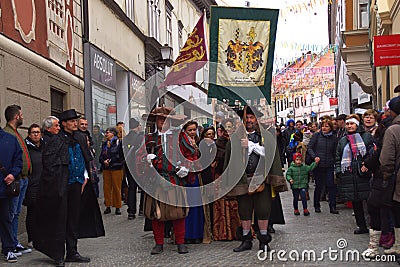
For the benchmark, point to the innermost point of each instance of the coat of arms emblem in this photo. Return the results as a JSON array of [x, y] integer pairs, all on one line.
[[242, 56]]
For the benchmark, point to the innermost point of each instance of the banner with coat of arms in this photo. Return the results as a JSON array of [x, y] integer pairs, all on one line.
[[242, 43]]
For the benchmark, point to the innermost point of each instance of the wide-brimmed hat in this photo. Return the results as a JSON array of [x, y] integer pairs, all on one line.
[[165, 112], [250, 110], [69, 114]]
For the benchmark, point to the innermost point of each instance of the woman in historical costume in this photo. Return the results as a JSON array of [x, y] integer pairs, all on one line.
[[225, 210], [194, 222]]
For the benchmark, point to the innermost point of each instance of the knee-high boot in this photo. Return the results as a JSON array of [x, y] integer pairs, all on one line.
[[373, 246], [395, 249]]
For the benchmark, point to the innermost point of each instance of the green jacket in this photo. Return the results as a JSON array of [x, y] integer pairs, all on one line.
[[25, 154], [299, 174]]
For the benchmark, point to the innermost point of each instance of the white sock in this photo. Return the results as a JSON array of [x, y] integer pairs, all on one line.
[[263, 232]]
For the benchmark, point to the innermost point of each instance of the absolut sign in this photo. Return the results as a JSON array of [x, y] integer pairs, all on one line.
[[102, 68]]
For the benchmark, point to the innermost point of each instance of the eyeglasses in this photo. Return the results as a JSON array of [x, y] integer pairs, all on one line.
[[35, 132]]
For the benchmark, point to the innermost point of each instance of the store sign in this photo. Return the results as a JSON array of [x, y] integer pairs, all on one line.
[[103, 68], [387, 50]]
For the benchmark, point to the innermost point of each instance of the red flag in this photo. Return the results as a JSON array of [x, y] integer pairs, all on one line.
[[192, 57]]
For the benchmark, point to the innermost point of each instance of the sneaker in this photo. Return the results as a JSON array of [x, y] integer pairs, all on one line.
[[141, 213], [22, 249], [11, 257], [131, 216], [296, 212], [17, 253], [306, 212]]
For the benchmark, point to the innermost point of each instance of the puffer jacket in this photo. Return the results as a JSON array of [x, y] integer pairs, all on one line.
[[352, 187], [299, 174], [324, 147]]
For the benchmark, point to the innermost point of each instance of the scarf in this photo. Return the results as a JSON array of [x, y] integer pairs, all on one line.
[[328, 134], [352, 149]]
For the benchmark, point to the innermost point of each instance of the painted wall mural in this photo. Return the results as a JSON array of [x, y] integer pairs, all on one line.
[[44, 26]]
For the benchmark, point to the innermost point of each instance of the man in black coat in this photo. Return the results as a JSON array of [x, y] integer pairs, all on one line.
[[130, 144], [68, 208]]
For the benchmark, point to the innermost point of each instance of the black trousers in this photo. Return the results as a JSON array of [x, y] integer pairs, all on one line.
[[132, 190], [73, 208], [7, 241], [358, 209], [30, 220]]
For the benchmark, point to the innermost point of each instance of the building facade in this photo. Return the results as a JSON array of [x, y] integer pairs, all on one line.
[[41, 57], [385, 20]]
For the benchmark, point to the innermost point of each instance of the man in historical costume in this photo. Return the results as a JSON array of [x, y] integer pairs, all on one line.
[[160, 153], [260, 200], [67, 208]]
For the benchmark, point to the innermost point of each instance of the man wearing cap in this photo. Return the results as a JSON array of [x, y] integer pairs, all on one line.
[[161, 154], [258, 201], [130, 144], [341, 126], [390, 165], [62, 195]]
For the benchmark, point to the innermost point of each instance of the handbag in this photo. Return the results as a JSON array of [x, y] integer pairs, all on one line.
[[278, 182], [157, 210], [13, 189]]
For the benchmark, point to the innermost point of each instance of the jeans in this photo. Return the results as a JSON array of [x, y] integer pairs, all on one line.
[[324, 176], [302, 193], [15, 208], [7, 242]]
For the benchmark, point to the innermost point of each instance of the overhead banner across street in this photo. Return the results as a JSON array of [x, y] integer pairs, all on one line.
[[242, 43]]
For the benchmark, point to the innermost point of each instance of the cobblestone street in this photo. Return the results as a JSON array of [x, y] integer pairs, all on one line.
[[125, 243]]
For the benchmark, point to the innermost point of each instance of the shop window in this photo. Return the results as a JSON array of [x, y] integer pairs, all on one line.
[[57, 102], [104, 107]]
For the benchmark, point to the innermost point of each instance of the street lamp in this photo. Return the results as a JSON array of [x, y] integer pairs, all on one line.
[[166, 52]]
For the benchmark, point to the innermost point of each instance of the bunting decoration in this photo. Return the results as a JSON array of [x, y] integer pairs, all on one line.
[[192, 57], [308, 75], [242, 43]]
